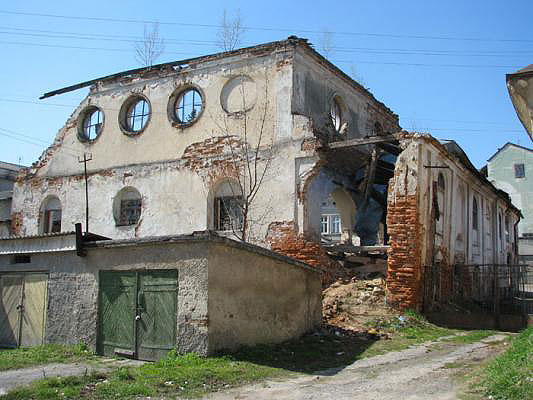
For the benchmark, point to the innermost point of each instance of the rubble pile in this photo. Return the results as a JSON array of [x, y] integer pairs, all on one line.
[[351, 305]]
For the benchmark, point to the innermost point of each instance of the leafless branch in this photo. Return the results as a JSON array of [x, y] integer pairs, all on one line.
[[150, 47], [230, 32], [326, 44]]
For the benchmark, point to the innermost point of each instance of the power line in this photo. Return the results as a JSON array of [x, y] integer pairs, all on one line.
[[216, 26], [130, 39], [333, 59]]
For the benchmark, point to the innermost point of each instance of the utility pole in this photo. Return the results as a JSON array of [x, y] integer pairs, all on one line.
[[86, 157]]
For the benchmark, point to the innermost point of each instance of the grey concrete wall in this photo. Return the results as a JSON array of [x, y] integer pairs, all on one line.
[[256, 299], [73, 288]]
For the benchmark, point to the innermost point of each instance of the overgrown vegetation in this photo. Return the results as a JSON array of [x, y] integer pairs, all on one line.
[[191, 375], [510, 375], [49, 353]]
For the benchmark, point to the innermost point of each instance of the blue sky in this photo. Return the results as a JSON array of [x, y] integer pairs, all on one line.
[[439, 65]]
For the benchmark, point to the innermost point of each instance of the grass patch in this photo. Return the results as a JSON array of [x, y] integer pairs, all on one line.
[[510, 375], [191, 375], [470, 337], [49, 353]]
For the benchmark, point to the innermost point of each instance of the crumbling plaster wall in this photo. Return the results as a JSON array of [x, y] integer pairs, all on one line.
[[411, 219], [173, 168]]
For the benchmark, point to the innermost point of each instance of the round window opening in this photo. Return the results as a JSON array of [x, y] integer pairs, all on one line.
[[188, 106], [137, 115], [335, 113], [92, 124]]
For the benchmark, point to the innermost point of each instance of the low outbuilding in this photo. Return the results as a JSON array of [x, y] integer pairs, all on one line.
[[143, 297]]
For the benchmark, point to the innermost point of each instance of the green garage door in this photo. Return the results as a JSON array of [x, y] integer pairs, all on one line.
[[137, 313]]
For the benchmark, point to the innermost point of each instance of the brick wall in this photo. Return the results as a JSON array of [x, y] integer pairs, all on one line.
[[404, 269], [284, 239]]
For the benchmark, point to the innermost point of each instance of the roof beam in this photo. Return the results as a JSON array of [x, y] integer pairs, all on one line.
[[361, 142]]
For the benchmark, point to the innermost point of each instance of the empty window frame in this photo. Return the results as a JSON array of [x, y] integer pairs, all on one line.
[[519, 171], [92, 124], [336, 113], [51, 216], [228, 213], [188, 106], [507, 229], [475, 215], [135, 115]]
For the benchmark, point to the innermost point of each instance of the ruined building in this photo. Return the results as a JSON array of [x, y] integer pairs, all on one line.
[[167, 147], [271, 145]]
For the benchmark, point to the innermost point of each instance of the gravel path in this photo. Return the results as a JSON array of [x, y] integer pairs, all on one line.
[[418, 373], [17, 377]]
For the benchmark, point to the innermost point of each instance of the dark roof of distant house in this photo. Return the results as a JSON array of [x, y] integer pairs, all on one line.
[[505, 146], [522, 71]]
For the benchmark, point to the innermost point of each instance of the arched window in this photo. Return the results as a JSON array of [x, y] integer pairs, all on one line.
[[228, 206], [441, 206], [378, 130], [336, 113], [475, 215], [127, 206], [51, 215]]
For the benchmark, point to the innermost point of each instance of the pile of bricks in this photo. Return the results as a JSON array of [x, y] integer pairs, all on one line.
[[404, 269]]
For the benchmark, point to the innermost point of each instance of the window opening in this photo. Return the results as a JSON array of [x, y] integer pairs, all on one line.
[[188, 106], [475, 213], [127, 207], [507, 230], [330, 224], [519, 171], [228, 213], [51, 215], [335, 113], [138, 115], [92, 124]]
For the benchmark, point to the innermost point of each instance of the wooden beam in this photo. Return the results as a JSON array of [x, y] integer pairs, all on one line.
[[361, 142], [390, 148]]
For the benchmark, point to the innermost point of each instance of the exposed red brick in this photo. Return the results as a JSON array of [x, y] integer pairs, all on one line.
[[284, 239], [404, 262], [16, 223]]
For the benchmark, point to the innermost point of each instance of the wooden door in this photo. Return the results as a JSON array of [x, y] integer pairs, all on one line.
[[156, 327], [10, 309], [137, 315], [34, 309], [116, 320]]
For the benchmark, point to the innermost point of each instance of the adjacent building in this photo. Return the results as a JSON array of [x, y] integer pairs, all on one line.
[[8, 174], [511, 170]]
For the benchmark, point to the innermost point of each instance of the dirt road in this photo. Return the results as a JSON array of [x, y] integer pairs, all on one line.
[[418, 373]]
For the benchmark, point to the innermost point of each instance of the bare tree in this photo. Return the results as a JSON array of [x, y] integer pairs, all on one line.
[[230, 32], [150, 47], [326, 44], [249, 157]]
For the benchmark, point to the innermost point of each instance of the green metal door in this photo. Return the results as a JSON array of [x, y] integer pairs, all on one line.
[[156, 327], [137, 315], [10, 309], [116, 320]]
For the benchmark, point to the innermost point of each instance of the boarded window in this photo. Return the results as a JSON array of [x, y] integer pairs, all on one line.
[[127, 207]]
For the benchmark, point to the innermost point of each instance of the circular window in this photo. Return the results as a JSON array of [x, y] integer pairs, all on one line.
[[238, 95], [336, 113], [188, 106], [135, 114], [92, 122]]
